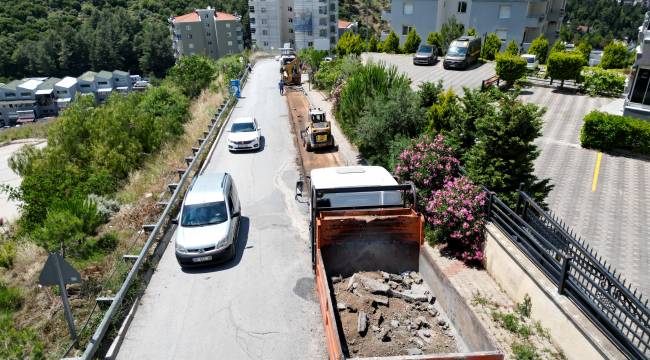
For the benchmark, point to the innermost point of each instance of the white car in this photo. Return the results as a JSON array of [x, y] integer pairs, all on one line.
[[244, 134], [531, 61]]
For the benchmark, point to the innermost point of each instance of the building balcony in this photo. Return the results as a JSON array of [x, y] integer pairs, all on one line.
[[534, 20], [555, 15]]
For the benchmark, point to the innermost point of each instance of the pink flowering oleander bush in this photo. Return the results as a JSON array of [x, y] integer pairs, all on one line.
[[429, 164], [456, 213]]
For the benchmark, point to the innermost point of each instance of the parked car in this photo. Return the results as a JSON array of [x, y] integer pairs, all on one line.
[[426, 55], [244, 134], [462, 52], [209, 220], [531, 61]]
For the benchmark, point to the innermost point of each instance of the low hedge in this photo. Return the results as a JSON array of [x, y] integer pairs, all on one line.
[[606, 132], [602, 82]]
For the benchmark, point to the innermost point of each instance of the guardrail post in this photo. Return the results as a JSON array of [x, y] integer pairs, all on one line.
[[564, 275]]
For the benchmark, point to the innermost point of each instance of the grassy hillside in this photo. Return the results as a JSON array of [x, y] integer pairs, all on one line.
[[366, 12]]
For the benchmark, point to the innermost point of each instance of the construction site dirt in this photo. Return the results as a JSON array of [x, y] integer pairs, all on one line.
[[298, 115], [385, 314]]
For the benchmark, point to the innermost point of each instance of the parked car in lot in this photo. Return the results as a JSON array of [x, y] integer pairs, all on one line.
[[462, 52], [531, 61], [426, 55], [244, 134], [209, 221]]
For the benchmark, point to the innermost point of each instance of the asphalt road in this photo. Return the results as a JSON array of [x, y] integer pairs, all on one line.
[[454, 79], [263, 304]]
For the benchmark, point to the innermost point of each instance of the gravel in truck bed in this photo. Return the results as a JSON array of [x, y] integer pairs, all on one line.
[[386, 314]]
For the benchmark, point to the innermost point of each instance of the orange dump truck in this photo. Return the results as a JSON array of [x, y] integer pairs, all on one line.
[[361, 220]]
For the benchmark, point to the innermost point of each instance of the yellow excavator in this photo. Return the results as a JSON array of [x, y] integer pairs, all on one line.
[[290, 66]]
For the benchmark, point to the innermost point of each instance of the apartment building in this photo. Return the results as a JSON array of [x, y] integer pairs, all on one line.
[[206, 32], [518, 20], [637, 97], [300, 23], [31, 98]]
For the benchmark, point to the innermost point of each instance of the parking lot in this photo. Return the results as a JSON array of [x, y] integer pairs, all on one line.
[[609, 211], [456, 79]]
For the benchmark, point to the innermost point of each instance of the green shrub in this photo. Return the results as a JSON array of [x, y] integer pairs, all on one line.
[[61, 229], [615, 56], [565, 66], [192, 74], [412, 42], [7, 254], [603, 82], [10, 299], [539, 48], [607, 132], [450, 31], [523, 351], [18, 344], [558, 46], [435, 39], [510, 67], [373, 44], [584, 48], [471, 32], [429, 93], [391, 44], [349, 44], [491, 47], [512, 48]]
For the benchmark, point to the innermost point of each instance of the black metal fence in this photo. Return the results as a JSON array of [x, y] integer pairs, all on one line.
[[578, 272]]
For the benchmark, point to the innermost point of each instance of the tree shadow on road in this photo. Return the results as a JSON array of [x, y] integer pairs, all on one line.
[[242, 241]]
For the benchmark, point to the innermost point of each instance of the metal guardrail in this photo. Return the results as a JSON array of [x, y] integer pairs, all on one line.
[[161, 225], [578, 272]]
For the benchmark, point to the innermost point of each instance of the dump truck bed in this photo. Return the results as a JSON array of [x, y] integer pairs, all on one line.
[[353, 241]]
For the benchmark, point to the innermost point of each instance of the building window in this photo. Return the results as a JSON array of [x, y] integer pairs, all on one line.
[[266, 43], [227, 25], [462, 7], [191, 46], [332, 7], [229, 43], [322, 33], [27, 94], [322, 21], [265, 21], [206, 16], [253, 30], [310, 44], [10, 94], [265, 32], [504, 11], [229, 34], [210, 43], [406, 29], [502, 34], [252, 20], [207, 34], [333, 40], [408, 7], [290, 31], [332, 18], [207, 24], [188, 28], [322, 10], [640, 93], [189, 36], [251, 9], [103, 83], [309, 33], [290, 20], [263, 10], [85, 86], [290, 8]]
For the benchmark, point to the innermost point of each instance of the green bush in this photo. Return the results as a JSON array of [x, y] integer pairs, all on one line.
[[539, 48], [391, 44], [510, 67], [607, 132], [491, 47], [450, 31], [373, 44], [523, 351], [471, 32], [412, 42], [10, 299], [429, 93], [7, 254], [603, 82], [61, 229], [615, 56], [350, 44], [565, 66], [512, 48], [18, 344], [192, 74], [584, 48], [435, 39], [558, 46]]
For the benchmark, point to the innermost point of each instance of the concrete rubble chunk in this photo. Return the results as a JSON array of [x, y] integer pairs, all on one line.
[[384, 334], [425, 334], [417, 341], [409, 295], [442, 322], [414, 351], [422, 322], [393, 285], [362, 322], [380, 300], [433, 312], [374, 286], [394, 323], [394, 277], [375, 328], [351, 281]]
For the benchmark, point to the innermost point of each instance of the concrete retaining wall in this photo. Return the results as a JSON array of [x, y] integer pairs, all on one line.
[[568, 326]]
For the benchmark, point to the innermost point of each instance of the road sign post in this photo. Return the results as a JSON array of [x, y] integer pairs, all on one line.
[[57, 271]]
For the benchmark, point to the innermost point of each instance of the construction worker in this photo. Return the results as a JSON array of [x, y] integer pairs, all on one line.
[[281, 86]]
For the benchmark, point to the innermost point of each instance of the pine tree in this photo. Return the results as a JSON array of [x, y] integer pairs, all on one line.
[[412, 42]]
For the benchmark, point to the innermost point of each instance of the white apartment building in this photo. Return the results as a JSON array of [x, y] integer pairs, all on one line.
[[301, 23]]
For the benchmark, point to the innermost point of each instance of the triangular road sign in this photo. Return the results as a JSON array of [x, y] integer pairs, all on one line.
[[49, 275]]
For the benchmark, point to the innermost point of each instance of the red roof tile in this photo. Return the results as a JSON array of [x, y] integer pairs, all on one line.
[[224, 16], [344, 24], [191, 17]]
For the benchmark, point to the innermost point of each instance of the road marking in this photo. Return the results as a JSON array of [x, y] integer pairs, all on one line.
[[596, 171]]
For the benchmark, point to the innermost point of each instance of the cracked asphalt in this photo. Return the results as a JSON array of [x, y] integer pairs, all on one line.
[[262, 305]]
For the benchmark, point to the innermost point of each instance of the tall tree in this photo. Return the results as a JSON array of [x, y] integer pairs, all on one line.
[[450, 31], [154, 48]]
